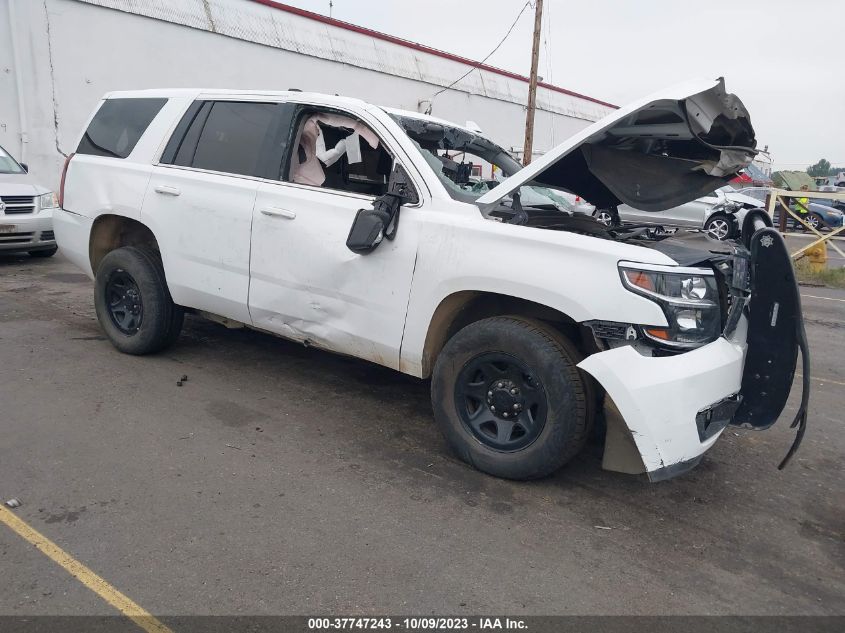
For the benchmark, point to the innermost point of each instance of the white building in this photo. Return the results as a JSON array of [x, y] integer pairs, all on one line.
[[763, 161], [58, 57]]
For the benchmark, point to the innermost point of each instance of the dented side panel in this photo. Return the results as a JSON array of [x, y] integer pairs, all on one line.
[[307, 286], [659, 398]]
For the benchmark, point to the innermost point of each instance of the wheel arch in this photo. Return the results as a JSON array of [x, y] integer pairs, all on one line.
[[464, 307], [111, 231]]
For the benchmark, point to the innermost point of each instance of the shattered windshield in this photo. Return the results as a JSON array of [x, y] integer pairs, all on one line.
[[470, 165]]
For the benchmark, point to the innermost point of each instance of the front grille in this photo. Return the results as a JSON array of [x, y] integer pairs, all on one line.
[[17, 199], [16, 238], [47, 236], [18, 204], [612, 330]]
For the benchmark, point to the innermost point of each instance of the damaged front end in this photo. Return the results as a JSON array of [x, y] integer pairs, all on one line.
[[666, 405], [727, 350], [727, 353], [775, 332]]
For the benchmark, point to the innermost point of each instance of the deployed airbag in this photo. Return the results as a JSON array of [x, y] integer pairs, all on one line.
[[312, 153]]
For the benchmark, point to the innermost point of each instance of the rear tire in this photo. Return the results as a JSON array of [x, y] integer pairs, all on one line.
[[133, 303], [49, 252], [509, 399]]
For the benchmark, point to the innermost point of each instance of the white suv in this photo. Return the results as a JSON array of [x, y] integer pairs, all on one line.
[[26, 211], [349, 227]]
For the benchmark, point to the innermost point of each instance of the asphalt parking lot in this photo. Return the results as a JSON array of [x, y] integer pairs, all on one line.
[[282, 480]]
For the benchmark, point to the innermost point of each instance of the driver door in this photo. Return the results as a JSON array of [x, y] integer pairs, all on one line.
[[305, 284]]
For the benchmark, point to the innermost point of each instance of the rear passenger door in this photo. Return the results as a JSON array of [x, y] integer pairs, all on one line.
[[200, 198]]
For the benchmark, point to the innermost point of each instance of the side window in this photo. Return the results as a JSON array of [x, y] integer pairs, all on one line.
[[235, 137], [118, 125], [339, 152]]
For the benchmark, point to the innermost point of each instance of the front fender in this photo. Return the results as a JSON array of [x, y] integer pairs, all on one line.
[[574, 274]]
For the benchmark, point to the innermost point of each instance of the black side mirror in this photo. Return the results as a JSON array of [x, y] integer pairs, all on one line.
[[25, 167], [367, 230], [371, 226]]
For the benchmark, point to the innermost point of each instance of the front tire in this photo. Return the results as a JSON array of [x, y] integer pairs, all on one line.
[[133, 303], [606, 217], [719, 227], [509, 399]]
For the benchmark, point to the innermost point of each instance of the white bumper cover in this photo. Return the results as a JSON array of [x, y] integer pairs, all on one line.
[[72, 234], [660, 397]]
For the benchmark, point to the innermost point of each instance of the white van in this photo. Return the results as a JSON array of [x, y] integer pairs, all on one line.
[[350, 227]]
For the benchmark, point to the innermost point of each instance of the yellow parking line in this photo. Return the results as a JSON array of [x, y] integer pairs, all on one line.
[[84, 575]]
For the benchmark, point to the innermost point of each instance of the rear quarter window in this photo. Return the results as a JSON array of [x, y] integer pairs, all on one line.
[[118, 125]]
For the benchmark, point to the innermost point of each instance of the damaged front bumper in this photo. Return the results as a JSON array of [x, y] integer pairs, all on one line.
[[663, 413]]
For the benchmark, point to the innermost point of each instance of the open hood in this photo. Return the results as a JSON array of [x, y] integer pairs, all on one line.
[[657, 153]]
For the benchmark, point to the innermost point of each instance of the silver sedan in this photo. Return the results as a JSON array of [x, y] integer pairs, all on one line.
[[702, 214]]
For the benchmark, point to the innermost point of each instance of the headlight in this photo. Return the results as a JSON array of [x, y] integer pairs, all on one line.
[[689, 299], [48, 201]]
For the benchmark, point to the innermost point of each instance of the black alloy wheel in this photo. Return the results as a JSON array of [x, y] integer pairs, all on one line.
[[501, 402], [133, 302], [509, 398], [124, 302]]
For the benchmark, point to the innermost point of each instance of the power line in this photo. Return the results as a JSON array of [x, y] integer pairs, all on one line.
[[477, 64]]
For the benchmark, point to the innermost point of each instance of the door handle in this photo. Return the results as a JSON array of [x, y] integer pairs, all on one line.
[[276, 212], [168, 191]]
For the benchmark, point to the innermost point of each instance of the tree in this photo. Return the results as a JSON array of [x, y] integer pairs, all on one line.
[[821, 168]]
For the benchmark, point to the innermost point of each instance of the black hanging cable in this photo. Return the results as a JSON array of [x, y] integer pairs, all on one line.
[[477, 64]]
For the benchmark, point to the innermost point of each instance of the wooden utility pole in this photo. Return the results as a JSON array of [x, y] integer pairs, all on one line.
[[532, 85]]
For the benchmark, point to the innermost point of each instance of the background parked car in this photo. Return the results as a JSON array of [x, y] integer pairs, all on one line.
[[26, 211], [830, 202], [536, 195], [702, 213], [824, 212], [831, 181]]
